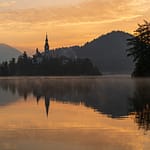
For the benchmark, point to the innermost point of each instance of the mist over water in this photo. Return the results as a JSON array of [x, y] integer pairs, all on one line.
[[61, 111]]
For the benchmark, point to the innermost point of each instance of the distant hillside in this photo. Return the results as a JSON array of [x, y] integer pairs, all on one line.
[[7, 52], [108, 52]]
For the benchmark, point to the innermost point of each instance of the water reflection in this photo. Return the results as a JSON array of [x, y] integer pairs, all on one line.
[[106, 95], [114, 97], [141, 103]]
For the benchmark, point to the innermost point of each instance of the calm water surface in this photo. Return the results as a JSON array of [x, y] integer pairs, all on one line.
[[74, 113]]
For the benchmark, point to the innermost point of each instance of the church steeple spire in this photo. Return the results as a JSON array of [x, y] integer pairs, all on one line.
[[46, 46]]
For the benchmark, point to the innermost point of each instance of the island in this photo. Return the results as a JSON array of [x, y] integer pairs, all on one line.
[[47, 63]]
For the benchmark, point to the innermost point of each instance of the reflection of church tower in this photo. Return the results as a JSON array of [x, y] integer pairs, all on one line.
[[46, 46], [38, 98], [47, 103]]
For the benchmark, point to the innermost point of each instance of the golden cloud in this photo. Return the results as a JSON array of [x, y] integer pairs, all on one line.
[[74, 24], [7, 4], [93, 10]]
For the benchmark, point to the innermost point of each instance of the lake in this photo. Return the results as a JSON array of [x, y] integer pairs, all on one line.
[[74, 113]]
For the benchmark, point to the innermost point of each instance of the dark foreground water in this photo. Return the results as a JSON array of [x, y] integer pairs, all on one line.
[[74, 113]]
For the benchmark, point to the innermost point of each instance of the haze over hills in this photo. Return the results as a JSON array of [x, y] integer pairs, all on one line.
[[7, 52], [108, 52]]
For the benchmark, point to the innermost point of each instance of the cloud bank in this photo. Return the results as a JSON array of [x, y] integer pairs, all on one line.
[[84, 20]]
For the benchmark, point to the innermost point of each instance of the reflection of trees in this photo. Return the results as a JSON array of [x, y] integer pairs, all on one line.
[[75, 91], [104, 95], [141, 103]]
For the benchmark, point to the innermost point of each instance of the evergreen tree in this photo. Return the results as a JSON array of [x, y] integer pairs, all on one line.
[[12, 66], [140, 49]]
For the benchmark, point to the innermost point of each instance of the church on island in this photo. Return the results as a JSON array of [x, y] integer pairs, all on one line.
[[47, 54], [47, 63]]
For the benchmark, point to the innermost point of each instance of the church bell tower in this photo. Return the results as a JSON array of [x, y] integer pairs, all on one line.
[[46, 46]]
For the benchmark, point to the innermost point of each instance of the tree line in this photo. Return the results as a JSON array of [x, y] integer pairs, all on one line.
[[26, 66]]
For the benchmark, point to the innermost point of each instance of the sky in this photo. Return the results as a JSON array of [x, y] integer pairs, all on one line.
[[24, 23]]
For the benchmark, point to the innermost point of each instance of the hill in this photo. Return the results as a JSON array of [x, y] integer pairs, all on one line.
[[7, 52], [108, 52]]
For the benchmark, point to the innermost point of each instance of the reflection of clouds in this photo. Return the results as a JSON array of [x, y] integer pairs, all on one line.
[[75, 139], [8, 146]]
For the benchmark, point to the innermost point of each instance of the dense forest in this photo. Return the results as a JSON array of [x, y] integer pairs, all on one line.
[[27, 66]]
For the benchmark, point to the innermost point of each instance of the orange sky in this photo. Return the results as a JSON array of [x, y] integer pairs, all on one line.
[[23, 23]]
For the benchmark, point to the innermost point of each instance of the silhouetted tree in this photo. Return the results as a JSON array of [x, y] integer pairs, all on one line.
[[140, 49], [12, 66]]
